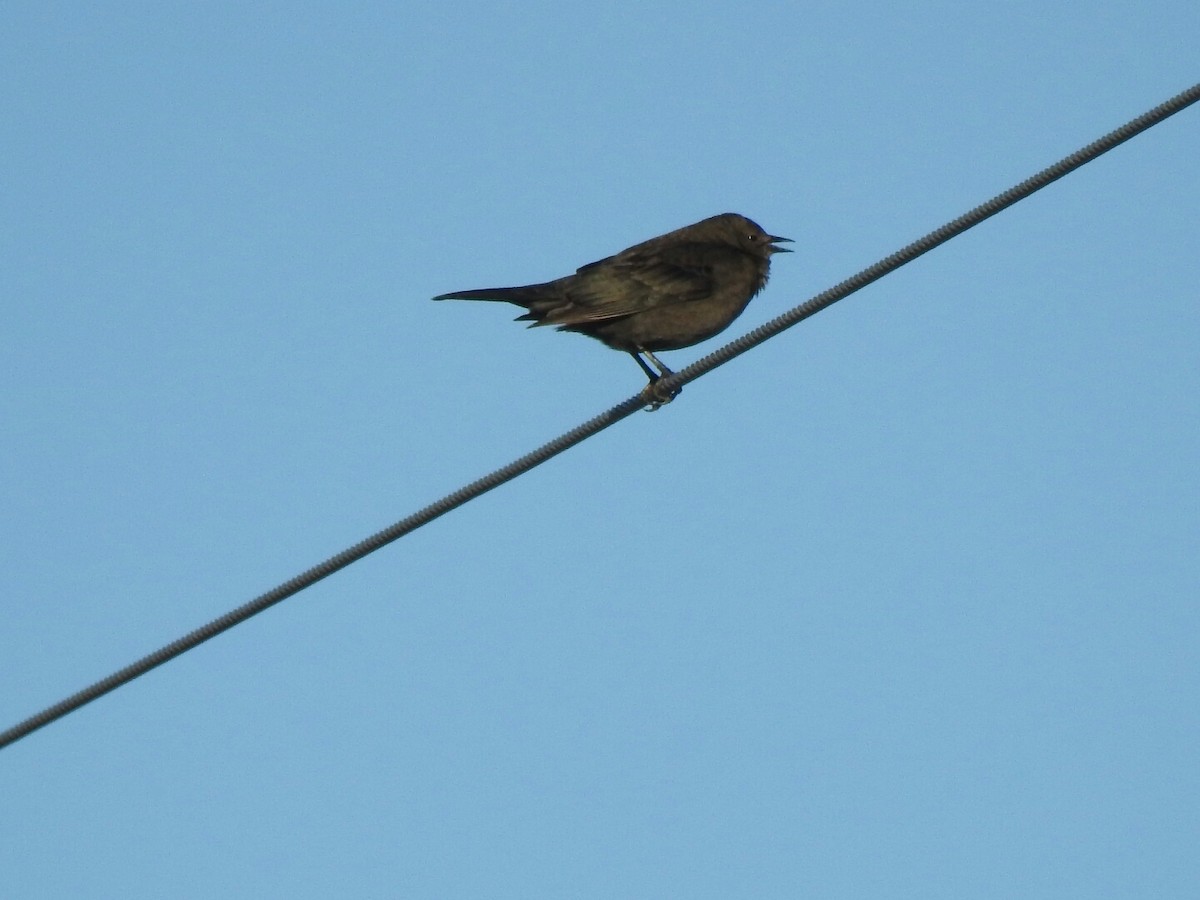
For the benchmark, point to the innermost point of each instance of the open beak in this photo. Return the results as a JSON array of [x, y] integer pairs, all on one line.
[[779, 240]]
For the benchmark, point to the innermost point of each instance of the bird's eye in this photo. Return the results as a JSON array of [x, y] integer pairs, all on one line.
[[752, 237]]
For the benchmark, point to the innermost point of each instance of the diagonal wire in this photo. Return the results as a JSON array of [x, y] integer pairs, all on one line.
[[604, 420], [935, 238]]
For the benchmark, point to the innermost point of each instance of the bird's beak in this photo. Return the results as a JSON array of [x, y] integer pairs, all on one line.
[[779, 240]]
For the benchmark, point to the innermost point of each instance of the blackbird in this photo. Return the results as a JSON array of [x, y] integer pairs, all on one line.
[[666, 293]]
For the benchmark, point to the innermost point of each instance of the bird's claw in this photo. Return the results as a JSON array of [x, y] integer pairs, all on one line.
[[657, 396]]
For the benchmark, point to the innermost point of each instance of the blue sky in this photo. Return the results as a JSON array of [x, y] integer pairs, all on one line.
[[901, 604]]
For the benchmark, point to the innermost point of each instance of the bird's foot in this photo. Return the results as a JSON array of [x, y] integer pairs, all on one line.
[[657, 396]]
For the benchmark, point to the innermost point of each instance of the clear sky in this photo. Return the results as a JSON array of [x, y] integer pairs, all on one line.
[[904, 603]]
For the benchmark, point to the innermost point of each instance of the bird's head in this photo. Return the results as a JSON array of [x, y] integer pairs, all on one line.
[[749, 236]]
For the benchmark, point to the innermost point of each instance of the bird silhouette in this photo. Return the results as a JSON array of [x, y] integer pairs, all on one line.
[[666, 293]]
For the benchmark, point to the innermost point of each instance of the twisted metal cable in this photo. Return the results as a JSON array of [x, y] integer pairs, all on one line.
[[322, 570], [935, 238], [604, 420]]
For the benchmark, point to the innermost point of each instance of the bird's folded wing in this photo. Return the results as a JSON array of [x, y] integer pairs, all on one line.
[[621, 286]]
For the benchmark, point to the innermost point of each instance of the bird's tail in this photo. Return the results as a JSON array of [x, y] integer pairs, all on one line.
[[541, 300], [524, 296]]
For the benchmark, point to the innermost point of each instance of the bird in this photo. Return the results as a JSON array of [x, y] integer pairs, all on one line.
[[667, 293]]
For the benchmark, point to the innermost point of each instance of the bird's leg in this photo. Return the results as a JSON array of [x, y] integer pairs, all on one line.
[[657, 364], [650, 373], [653, 395]]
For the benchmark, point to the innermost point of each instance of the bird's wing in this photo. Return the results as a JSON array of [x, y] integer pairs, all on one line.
[[632, 282]]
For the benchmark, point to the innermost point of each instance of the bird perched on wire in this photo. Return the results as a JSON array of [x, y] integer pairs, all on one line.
[[666, 293]]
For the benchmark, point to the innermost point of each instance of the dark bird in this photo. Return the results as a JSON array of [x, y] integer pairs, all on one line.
[[666, 293]]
